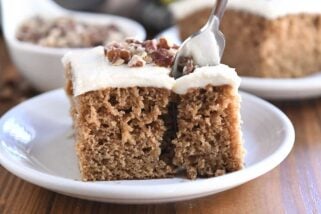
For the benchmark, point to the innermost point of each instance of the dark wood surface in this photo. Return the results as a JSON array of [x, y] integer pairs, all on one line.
[[293, 187]]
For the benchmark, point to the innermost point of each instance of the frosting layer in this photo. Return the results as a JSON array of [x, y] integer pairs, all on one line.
[[270, 9], [208, 75], [196, 49], [92, 71], [183, 8]]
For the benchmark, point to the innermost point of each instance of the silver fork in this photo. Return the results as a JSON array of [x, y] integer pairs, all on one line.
[[206, 46]]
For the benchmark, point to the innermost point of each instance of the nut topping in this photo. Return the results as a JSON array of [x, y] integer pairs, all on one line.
[[162, 58], [136, 54], [163, 43], [150, 45]]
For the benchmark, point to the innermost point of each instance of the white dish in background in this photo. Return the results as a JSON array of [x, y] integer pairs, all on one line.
[[36, 145], [274, 89], [41, 66]]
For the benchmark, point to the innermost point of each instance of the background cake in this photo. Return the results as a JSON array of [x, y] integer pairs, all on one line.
[[263, 38], [133, 121]]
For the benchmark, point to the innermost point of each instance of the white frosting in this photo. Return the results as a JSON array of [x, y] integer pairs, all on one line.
[[270, 9], [183, 8], [92, 71], [209, 75], [196, 49]]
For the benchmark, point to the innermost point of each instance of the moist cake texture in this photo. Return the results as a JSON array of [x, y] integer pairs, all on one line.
[[132, 120], [207, 144], [120, 133], [277, 39], [208, 141]]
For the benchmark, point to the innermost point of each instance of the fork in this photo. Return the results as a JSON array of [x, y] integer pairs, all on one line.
[[206, 46]]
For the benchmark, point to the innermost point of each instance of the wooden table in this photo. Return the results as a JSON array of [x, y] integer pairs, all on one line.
[[293, 187]]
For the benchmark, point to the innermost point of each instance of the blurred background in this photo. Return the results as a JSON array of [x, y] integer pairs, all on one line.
[[153, 14]]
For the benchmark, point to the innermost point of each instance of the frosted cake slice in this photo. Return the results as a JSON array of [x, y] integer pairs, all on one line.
[[132, 120]]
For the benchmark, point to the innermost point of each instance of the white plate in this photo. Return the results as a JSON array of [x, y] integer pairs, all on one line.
[[276, 89], [36, 145]]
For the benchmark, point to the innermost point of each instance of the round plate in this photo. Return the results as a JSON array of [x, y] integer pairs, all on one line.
[[276, 89], [36, 144]]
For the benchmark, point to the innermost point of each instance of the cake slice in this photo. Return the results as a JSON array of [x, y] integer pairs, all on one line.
[[264, 38], [209, 141], [132, 120], [120, 98]]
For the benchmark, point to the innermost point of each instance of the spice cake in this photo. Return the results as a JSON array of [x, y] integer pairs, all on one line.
[[132, 120], [265, 38]]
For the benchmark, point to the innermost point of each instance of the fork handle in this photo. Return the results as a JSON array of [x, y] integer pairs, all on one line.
[[219, 9]]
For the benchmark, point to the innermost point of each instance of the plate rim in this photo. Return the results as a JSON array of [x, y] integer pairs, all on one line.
[[123, 193]]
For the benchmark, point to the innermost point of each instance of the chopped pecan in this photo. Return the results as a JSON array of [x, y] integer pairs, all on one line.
[[118, 56], [161, 57], [136, 49], [164, 43], [112, 54], [136, 61], [150, 45], [125, 55]]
